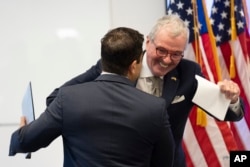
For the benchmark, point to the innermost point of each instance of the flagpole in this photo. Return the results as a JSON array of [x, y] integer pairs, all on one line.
[[233, 37], [201, 118], [213, 42], [196, 32]]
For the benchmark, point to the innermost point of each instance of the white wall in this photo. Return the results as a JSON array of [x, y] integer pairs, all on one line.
[[48, 42]]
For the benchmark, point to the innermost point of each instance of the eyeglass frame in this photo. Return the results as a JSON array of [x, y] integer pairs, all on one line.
[[177, 55]]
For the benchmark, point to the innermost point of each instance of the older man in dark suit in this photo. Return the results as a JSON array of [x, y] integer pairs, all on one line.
[[106, 122], [165, 45]]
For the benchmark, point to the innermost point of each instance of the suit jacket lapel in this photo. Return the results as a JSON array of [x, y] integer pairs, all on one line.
[[170, 85]]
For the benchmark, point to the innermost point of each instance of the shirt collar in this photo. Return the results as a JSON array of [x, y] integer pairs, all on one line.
[[145, 71], [104, 72]]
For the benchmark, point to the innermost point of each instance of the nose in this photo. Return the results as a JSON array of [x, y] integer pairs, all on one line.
[[167, 58]]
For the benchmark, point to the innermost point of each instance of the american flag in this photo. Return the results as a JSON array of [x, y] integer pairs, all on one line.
[[228, 46], [206, 144]]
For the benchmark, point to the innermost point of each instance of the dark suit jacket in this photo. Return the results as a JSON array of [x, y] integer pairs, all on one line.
[[105, 123], [178, 84]]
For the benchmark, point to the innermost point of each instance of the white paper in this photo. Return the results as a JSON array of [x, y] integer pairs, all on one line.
[[209, 98], [27, 105]]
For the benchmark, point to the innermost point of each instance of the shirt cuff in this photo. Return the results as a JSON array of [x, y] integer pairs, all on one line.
[[235, 107]]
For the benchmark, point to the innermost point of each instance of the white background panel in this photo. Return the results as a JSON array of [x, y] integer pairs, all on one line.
[[48, 42]]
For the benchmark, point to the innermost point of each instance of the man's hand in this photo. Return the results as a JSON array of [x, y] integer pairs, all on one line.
[[23, 121], [230, 89]]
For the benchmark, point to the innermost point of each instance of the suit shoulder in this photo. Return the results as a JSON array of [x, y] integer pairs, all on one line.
[[189, 66], [77, 87], [186, 62]]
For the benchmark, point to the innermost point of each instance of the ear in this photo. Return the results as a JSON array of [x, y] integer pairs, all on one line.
[[147, 41], [132, 70]]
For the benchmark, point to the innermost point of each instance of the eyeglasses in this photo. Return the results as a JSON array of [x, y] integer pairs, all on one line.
[[162, 52]]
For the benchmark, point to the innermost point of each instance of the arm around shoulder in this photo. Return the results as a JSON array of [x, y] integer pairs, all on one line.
[[90, 75]]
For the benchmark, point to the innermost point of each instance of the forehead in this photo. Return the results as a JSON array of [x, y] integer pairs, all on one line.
[[170, 40]]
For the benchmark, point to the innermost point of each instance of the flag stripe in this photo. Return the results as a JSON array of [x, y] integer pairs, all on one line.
[[193, 150], [244, 133], [227, 135], [204, 141], [188, 157], [208, 56], [237, 137], [218, 139]]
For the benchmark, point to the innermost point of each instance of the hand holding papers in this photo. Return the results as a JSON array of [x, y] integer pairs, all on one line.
[[209, 97]]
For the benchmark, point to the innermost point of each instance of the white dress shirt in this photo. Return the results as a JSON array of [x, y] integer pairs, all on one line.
[[147, 82]]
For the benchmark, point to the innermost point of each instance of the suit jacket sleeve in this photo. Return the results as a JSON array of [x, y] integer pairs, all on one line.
[[164, 150], [232, 116], [90, 75], [39, 133]]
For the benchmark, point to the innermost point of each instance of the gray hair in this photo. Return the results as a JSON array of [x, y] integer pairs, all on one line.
[[173, 23]]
